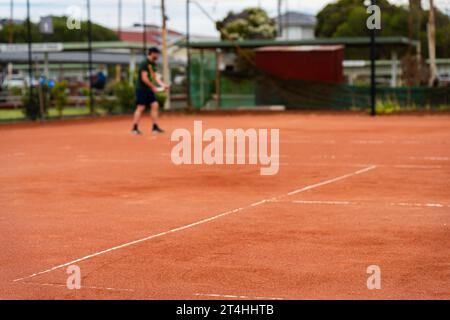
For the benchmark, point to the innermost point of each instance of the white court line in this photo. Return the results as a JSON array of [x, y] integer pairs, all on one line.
[[82, 287], [230, 296], [332, 180], [211, 295], [195, 223], [428, 205], [367, 142], [309, 164], [400, 166], [350, 203], [412, 166], [325, 202], [430, 158]]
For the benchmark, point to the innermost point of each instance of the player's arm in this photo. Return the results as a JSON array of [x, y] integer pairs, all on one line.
[[160, 82], [148, 83], [157, 78]]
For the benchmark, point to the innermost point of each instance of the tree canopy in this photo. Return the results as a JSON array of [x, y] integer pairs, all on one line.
[[347, 18], [251, 23], [61, 32]]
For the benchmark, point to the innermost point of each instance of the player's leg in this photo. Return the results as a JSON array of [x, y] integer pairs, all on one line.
[[154, 111], [137, 117], [141, 102]]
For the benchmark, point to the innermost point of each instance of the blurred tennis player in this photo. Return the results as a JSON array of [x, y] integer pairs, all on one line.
[[146, 90]]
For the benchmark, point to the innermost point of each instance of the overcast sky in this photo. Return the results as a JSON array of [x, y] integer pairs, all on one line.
[[105, 12]]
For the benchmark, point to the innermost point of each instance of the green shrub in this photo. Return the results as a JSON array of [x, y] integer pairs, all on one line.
[[85, 92], [125, 96], [59, 93], [444, 108], [388, 106], [15, 91], [31, 104], [109, 105]]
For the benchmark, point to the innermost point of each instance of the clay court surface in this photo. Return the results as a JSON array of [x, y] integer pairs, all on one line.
[[352, 191]]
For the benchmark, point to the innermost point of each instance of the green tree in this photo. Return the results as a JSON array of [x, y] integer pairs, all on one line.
[[347, 18], [61, 32], [252, 23]]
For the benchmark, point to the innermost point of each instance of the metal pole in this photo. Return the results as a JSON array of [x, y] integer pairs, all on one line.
[[432, 45], [11, 22], [30, 58], [280, 24], [11, 35], [188, 51], [218, 78], [373, 57], [91, 96], [394, 68], [144, 34], [119, 30], [132, 66], [287, 19], [166, 67], [202, 78]]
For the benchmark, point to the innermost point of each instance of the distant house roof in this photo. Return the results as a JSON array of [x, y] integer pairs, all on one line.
[[131, 36], [153, 34], [393, 42], [297, 19]]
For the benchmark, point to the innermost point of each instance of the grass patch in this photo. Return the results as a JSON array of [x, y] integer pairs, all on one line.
[[15, 114], [18, 114]]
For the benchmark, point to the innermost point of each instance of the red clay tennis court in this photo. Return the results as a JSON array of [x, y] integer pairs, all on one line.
[[352, 191]]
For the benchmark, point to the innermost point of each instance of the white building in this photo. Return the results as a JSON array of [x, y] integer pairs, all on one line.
[[296, 26]]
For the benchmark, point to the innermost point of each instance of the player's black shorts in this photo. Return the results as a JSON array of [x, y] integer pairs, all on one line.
[[145, 97]]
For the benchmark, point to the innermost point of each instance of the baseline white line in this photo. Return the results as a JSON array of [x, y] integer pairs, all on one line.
[[130, 244], [428, 205], [230, 296], [195, 223], [81, 287]]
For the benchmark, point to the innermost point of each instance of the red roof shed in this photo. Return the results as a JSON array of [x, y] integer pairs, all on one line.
[[310, 63]]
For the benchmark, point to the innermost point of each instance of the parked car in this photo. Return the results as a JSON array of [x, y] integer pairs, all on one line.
[[17, 81]]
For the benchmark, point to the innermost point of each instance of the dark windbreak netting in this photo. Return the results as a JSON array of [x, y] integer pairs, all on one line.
[[246, 85], [298, 94]]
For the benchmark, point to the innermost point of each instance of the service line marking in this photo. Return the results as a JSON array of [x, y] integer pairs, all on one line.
[[200, 222], [230, 296], [354, 203], [313, 186], [324, 202]]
